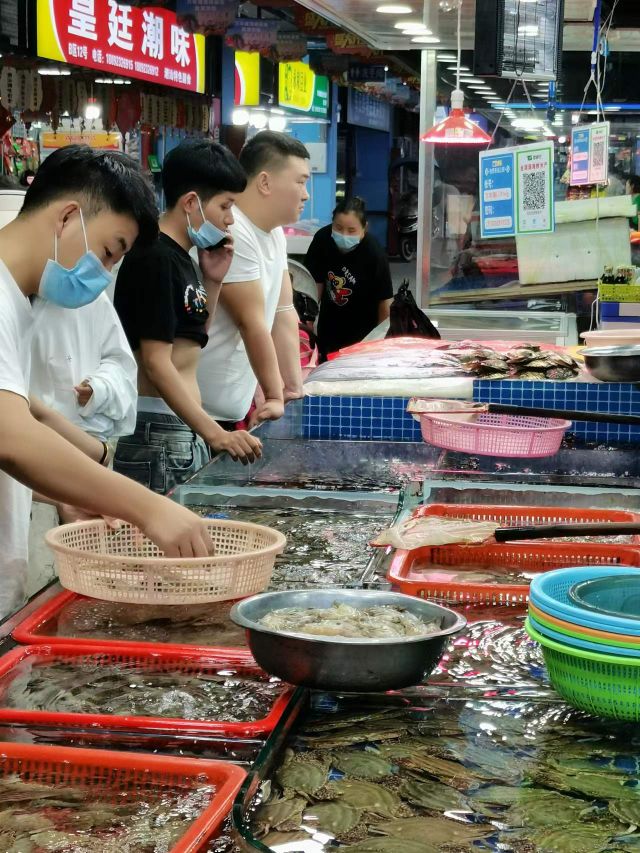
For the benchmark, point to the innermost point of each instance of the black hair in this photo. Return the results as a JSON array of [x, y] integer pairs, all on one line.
[[201, 166], [353, 205], [102, 179], [634, 183], [270, 150]]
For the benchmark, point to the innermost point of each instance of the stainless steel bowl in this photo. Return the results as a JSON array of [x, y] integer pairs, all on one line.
[[350, 665], [613, 364]]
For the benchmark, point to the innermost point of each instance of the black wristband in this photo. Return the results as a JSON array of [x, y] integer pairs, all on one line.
[[105, 453]]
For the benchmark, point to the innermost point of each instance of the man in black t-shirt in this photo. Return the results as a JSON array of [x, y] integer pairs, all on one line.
[[164, 300], [353, 277]]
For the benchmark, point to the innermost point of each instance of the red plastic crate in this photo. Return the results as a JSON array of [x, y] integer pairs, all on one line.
[[119, 772], [526, 557], [36, 629], [528, 516], [165, 661]]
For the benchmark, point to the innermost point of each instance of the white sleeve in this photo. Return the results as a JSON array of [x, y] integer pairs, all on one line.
[[245, 265], [13, 370], [114, 382]]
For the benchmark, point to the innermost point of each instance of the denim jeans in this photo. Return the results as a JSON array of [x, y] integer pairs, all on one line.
[[162, 452]]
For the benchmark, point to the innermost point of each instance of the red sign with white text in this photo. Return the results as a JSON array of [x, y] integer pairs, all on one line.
[[145, 43]]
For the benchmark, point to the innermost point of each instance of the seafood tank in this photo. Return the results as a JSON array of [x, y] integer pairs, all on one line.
[[482, 756]]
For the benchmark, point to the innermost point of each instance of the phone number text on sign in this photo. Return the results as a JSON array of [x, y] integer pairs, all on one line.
[[147, 43]]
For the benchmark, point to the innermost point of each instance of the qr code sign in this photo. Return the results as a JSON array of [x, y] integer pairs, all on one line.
[[534, 189], [598, 153]]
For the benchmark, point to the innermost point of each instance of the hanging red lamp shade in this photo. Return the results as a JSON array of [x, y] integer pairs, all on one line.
[[456, 129]]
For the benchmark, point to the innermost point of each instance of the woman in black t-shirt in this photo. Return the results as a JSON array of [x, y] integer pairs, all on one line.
[[353, 277]]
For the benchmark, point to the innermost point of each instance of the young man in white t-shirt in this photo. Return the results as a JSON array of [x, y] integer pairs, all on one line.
[[82, 212], [253, 339]]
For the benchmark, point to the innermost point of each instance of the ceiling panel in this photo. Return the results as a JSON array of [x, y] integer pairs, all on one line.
[[360, 17]]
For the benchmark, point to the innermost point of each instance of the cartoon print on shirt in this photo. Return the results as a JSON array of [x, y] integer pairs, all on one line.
[[195, 299], [337, 291]]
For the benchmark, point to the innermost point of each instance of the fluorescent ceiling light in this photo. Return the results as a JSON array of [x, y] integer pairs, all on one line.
[[476, 81], [411, 25], [445, 57], [455, 68], [417, 31], [426, 40], [527, 123], [392, 9]]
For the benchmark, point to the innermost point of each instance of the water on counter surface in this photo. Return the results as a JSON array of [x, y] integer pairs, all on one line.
[[577, 463], [386, 774], [38, 816], [328, 465], [324, 548], [189, 624], [130, 689], [492, 651]]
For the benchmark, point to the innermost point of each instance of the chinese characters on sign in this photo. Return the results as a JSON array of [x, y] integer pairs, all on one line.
[[300, 89], [497, 197], [104, 34], [590, 154], [516, 191]]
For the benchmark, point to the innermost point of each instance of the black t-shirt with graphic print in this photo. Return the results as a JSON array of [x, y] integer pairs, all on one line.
[[159, 296], [355, 283]]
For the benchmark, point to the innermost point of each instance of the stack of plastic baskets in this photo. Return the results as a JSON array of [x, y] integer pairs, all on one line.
[[592, 656]]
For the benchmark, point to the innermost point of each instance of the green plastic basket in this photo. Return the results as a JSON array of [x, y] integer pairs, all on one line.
[[600, 684]]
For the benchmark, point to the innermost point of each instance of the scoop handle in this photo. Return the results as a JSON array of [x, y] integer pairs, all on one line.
[[555, 531]]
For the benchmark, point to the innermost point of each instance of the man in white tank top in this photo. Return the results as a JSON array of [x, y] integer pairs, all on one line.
[[253, 338]]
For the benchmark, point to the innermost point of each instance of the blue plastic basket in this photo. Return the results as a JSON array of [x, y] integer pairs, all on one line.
[[550, 593], [616, 596], [575, 643]]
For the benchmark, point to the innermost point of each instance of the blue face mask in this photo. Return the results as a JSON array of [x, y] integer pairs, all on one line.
[[207, 235], [345, 242], [78, 286]]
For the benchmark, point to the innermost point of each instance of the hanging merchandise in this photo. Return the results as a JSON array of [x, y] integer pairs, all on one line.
[[36, 92], [252, 34], [67, 97], [290, 46], [82, 99], [209, 17], [128, 114], [406, 319], [9, 87], [23, 99]]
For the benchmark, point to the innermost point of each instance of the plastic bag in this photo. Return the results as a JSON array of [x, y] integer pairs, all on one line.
[[407, 319]]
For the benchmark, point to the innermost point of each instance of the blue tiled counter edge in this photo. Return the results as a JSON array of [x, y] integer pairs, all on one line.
[[386, 419]]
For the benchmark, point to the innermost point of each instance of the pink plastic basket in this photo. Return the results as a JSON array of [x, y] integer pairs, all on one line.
[[494, 435]]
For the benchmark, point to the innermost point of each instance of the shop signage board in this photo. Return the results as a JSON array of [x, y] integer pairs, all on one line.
[[366, 111], [516, 191], [247, 79], [300, 89], [102, 140], [145, 43], [590, 154], [366, 73]]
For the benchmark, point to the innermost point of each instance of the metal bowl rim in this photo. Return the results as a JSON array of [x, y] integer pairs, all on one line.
[[237, 616], [612, 352]]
